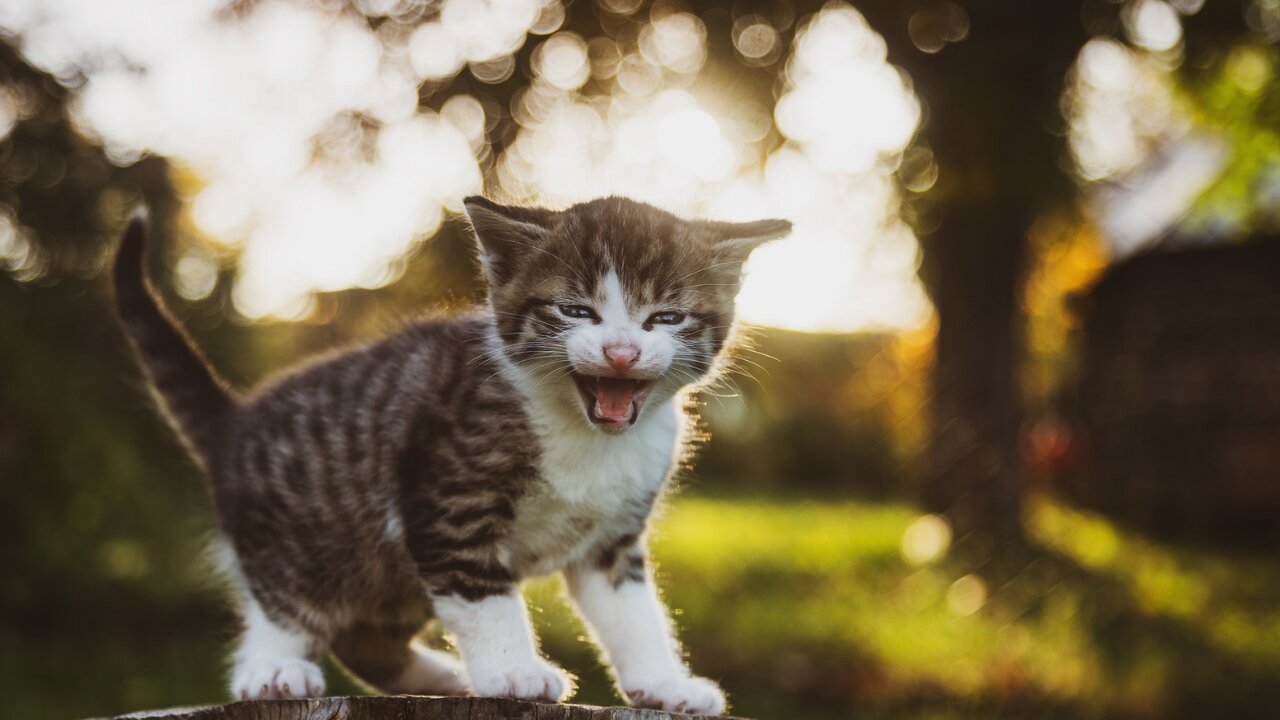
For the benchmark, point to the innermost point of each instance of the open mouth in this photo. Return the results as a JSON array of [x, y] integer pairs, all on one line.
[[612, 402]]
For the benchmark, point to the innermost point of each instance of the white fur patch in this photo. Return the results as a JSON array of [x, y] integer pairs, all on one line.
[[620, 325], [614, 309], [631, 625], [394, 529], [430, 672], [594, 481]]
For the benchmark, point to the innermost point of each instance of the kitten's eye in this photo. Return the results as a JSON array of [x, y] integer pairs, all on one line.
[[666, 317], [581, 312]]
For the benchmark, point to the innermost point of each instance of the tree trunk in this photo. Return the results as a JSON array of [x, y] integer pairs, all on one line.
[[990, 98], [972, 468]]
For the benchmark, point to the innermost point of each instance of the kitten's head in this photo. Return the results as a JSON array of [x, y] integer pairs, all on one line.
[[612, 304]]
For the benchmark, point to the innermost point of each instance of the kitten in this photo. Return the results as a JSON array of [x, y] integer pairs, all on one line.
[[427, 474]]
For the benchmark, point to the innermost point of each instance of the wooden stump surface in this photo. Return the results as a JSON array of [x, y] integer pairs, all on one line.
[[404, 708]]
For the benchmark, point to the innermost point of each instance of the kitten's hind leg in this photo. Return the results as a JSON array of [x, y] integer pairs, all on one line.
[[388, 658], [274, 661]]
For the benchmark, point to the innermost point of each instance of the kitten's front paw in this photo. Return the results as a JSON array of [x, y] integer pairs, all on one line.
[[534, 681], [693, 695], [276, 679]]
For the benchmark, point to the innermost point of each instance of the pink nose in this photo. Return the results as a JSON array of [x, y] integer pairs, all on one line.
[[621, 357]]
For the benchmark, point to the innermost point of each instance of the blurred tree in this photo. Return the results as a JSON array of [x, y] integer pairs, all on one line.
[[1229, 78], [60, 194], [990, 75]]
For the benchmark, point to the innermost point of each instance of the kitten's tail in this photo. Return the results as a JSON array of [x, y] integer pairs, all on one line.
[[196, 401]]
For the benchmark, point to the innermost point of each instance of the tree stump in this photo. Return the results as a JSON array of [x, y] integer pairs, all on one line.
[[404, 708]]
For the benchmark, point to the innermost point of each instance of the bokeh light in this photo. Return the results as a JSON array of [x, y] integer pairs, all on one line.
[[1153, 24], [241, 105], [967, 595], [755, 39], [850, 264], [926, 539]]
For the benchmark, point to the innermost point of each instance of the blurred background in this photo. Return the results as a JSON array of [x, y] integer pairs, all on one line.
[[1006, 441]]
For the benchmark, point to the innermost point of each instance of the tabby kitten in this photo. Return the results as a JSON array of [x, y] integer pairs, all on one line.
[[427, 474]]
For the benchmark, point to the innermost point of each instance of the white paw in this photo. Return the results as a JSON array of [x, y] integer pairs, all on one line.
[[276, 679], [693, 695], [532, 681]]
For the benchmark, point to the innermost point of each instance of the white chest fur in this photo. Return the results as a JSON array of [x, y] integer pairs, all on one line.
[[593, 481]]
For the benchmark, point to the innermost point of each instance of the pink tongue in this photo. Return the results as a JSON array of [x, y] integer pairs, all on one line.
[[613, 399]]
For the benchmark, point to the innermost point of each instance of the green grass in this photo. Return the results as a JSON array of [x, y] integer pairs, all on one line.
[[808, 610], [813, 607]]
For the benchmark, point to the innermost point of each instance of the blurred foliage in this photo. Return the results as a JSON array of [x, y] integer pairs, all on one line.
[[101, 517], [60, 197], [1238, 98], [808, 609], [1069, 256], [817, 415]]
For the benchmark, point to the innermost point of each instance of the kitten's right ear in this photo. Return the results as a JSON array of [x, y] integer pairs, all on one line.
[[505, 233], [734, 241]]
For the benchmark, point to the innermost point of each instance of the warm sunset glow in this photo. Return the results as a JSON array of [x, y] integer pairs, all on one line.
[[240, 103]]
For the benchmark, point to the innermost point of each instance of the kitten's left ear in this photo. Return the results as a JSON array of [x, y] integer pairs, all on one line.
[[505, 232], [734, 241]]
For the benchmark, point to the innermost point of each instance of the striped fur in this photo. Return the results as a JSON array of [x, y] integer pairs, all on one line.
[[428, 473]]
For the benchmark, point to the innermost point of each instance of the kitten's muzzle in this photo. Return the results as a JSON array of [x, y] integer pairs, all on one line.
[[613, 403]]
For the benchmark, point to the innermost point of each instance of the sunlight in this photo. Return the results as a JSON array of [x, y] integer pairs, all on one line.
[[309, 241], [849, 265], [318, 166]]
